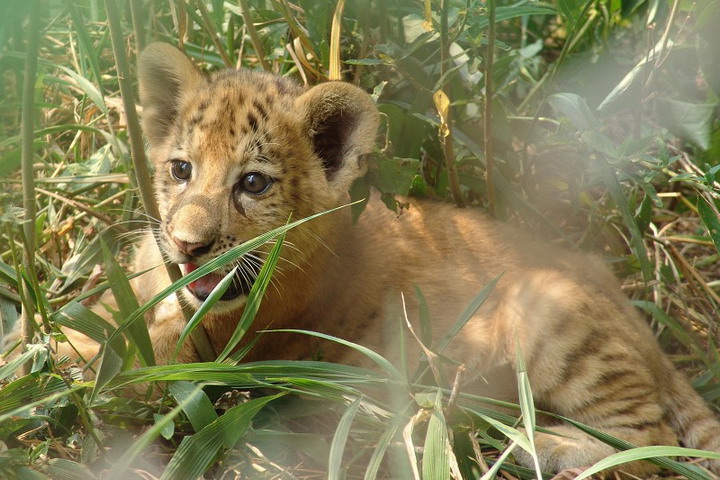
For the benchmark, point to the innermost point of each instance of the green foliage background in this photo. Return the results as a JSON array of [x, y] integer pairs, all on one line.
[[604, 134]]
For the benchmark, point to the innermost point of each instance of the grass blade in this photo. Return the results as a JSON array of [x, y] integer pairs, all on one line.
[[197, 406], [436, 456], [120, 469], [196, 453], [467, 314], [710, 218], [337, 447], [381, 361], [527, 407], [209, 302], [643, 453], [127, 303], [254, 298], [636, 237]]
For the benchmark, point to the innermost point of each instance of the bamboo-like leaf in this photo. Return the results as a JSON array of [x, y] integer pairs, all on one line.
[[372, 355], [337, 447], [62, 469], [527, 406], [205, 307], [14, 364], [436, 455], [644, 453], [384, 442], [168, 429], [467, 314], [689, 473], [127, 303], [710, 218], [575, 108], [254, 299], [27, 392], [110, 365], [87, 87], [197, 406], [197, 452], [636, 237], [86, 44], [119, 470], [78, 317]]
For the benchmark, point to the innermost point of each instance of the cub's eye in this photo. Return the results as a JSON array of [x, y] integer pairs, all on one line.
[[255, 183], [180, 170]]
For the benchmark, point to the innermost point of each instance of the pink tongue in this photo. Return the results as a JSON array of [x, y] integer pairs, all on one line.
[[203, 285]]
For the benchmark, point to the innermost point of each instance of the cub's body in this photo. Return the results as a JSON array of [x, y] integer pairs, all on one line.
[[237, 154]]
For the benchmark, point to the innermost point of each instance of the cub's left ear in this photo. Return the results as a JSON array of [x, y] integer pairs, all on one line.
[[342, 123]]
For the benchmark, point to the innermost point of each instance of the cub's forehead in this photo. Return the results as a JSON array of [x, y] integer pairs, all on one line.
[[234, 111]]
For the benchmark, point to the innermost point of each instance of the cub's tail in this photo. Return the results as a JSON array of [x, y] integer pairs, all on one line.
[[691, 418]]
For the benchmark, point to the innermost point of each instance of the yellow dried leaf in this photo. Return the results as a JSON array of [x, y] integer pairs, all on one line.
[[427, 24], [442, 104]]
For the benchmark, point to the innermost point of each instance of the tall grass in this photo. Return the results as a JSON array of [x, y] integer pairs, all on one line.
[[567, 117]]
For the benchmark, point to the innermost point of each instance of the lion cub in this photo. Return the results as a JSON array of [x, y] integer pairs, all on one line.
[[237, 153]]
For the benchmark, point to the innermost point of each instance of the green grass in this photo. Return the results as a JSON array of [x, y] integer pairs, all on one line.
[[602, 133]]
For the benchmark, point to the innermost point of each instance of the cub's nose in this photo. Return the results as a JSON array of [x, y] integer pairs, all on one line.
[[193, 249]]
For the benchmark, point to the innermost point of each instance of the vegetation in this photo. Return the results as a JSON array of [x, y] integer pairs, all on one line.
[[600, 131]]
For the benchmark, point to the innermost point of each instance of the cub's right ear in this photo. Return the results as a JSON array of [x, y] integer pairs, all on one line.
[[164, 75]]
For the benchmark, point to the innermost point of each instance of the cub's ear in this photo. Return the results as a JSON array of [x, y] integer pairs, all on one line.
[[342, 123], [164, 74]]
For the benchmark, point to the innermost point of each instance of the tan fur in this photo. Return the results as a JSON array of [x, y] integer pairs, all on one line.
[[590, 356]]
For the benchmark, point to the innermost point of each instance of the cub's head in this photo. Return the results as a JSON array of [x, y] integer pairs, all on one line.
[[237, 153]]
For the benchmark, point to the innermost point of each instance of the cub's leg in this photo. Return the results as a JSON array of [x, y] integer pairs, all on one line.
[[588, 358]]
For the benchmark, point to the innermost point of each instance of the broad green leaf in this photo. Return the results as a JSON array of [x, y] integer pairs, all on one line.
[[710, 219], [197, 406], [575, 108], [424, 316], [8, 274], [690, 121], [511, 433], [336, 379], [168, 429], [197, 452], [337, 447]]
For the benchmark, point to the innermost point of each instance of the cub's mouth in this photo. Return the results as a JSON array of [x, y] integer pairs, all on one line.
[[203, 286]]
